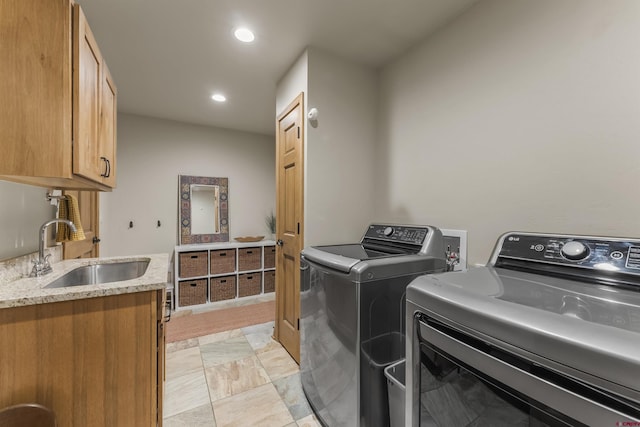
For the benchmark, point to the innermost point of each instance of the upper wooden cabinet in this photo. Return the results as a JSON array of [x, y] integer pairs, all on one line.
[[58, 115]]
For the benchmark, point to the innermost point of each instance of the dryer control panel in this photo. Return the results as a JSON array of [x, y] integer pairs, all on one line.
[[587, 252]]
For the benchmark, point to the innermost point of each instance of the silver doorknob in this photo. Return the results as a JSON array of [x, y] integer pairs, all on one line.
[[279, 242]]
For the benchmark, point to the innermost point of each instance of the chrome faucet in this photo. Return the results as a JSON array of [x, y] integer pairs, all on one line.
[[41, 266]]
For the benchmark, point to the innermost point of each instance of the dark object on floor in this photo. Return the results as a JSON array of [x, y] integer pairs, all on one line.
[[27, 415]]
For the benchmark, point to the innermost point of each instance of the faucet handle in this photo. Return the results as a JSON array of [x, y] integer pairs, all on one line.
[[36, 271], [45, 267]]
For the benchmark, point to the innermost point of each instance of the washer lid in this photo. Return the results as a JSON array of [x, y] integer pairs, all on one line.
[[586, 328], [355, 251], [381, 241], [342, 257]]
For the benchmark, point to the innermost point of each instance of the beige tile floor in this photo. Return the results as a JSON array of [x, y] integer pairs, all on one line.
[[238, 378]]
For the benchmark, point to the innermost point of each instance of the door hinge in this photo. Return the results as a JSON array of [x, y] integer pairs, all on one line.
[[298, 132]]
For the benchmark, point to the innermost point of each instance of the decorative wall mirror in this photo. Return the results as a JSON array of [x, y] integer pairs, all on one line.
[[204, 214]]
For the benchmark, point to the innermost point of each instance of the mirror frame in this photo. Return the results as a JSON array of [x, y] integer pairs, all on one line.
[[184, 189]]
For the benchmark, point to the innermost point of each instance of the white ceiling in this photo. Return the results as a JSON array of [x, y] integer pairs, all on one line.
[[168, 56]]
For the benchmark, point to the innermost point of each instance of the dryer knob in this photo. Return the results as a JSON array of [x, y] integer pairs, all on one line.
[[388, 231], [575, 250]]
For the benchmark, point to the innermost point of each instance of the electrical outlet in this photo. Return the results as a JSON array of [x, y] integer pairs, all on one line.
[[456, 241]]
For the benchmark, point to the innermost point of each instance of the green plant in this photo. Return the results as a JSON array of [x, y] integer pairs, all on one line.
[[270, 221]]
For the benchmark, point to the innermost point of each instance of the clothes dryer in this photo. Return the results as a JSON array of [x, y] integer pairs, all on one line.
[[547, 334]]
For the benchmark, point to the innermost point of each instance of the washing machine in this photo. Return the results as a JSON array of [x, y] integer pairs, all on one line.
[[352, 318], [547, 334]]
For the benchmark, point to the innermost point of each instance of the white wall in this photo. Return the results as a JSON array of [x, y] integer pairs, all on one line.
[[340, 148], [22, 211], [151, 155], [340, 151], [519, 115], [292, 83]]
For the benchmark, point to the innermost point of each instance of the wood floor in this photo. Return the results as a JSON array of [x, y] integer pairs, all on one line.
[[196, 325]]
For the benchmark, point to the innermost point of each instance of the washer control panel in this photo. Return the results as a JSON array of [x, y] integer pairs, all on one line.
[[599, 253], [397, 233]]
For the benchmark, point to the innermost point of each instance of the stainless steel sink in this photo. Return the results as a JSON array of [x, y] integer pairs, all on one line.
[[101, 273]]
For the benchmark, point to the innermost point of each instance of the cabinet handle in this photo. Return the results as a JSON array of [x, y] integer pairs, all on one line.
[[106, 167], [223, 254], [249, 252], [249, 277], [223, 281], [193, 285], [194, 256]]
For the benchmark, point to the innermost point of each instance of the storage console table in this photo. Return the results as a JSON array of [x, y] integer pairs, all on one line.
[[207, 273]]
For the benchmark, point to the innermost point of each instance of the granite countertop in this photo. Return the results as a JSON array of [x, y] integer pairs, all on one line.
[[30, 291]]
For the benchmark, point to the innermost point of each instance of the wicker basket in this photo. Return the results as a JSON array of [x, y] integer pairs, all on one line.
[[269, 281], [222, 288], [249, 284], [223, 261], [193, 292], [249, 259], [269, 257], [193, 264]]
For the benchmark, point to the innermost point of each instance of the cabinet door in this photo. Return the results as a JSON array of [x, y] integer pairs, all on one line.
[[92, 361], [108, 115], [87, 75], [35, 88]]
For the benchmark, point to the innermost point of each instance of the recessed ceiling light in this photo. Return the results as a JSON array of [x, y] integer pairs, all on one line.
[[218, 97], [244, 35]]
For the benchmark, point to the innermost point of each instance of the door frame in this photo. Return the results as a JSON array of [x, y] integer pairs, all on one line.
[[89, 204]]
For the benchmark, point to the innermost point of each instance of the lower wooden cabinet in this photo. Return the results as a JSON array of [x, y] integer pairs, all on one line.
[[94, 362]]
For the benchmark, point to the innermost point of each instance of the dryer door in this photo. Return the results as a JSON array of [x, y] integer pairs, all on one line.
[[466, 382]]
